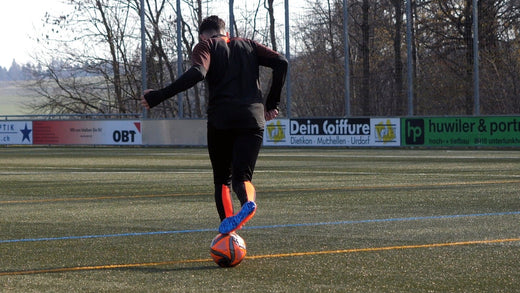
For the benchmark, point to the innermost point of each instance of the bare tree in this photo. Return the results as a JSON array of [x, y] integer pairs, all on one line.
[[58, 96], [270, 10], [499, 31], [398, 92], [92, 61], [317, 86], [93, 40], [158, 59]]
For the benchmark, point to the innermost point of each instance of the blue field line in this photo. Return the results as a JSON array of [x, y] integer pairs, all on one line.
[[260, 227]]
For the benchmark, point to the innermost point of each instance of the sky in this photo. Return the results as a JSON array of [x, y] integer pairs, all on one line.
[[20, 21]]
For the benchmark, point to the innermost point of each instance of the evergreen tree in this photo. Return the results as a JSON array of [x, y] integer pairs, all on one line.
[[3, 74], [15, 71]]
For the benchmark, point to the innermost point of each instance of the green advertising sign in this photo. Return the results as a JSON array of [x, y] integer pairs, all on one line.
[[461, 131]]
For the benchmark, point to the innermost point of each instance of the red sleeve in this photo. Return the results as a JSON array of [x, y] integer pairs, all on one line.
[[279, 65], [264, 52], [201, 55]]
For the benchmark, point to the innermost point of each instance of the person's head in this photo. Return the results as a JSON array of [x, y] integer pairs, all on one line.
[[211, 26]]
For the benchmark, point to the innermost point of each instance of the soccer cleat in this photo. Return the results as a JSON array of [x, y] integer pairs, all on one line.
[[230, 224]]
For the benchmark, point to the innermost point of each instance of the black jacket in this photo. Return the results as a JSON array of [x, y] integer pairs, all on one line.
[[231, 69]]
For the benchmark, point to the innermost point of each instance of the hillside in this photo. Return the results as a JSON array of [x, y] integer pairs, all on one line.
[[13, 97]]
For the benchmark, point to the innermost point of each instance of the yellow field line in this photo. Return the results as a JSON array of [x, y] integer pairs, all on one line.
[[97, 198], [393, 186], [279, 255], [372, 249], [102, 267]]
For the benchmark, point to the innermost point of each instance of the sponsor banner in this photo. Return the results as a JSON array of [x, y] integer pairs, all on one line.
[[461, 131], [333, 132], [16, 132], [276, 133], [117, 132], [386, 131]]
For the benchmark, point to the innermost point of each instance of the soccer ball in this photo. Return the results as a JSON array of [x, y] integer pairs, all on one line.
[[228, 250]]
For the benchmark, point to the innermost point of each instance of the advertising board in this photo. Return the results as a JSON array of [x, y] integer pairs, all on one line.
[[351, 132], [105, 132], [16, 132], [461, 131]]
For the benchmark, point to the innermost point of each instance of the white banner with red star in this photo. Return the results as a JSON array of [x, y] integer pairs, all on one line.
[[16, 132]]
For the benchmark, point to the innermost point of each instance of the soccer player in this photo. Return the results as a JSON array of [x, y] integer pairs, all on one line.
[[236, 111]]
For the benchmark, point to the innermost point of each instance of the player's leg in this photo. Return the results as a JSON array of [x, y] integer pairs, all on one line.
[[220, 149], [223, 201], [246, 148], [245, 154]]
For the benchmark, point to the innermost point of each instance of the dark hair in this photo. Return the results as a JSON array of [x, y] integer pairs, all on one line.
[[212, 22]]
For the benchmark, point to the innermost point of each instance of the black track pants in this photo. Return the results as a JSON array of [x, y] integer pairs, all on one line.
[[233, 154]]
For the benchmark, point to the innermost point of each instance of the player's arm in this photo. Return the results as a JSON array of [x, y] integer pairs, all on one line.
[[184, 82], [277, 62], [197, 72]]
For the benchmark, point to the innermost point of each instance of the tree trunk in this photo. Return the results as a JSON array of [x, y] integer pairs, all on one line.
[[270, 10], [115, 61]]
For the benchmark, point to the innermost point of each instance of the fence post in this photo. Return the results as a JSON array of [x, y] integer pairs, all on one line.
[[476, 79], [288, 56], [347, 58], [143, 57], [409, 56], [180, 113]]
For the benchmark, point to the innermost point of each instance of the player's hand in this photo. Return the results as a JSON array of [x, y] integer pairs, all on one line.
[[271, 114], [143, 100]]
